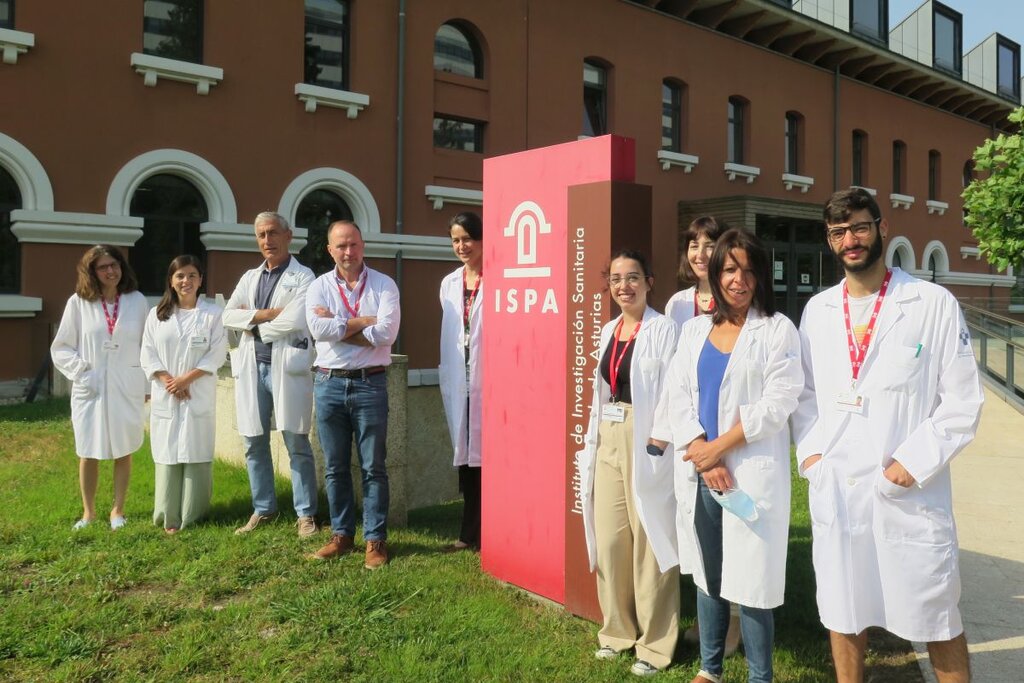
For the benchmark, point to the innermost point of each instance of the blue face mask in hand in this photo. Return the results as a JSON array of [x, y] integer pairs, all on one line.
[[738, 503]]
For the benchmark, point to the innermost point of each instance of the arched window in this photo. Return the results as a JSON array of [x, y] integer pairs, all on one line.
[[897, 259], [457, 52], [10, 248], [315, 213], [172, 209]]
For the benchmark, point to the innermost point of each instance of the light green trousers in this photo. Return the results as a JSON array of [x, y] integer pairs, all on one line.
[[183, 493]]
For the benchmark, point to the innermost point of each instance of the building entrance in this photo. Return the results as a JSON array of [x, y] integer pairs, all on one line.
[[802, 263]]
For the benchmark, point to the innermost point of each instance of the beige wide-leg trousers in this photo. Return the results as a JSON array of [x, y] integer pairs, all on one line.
[[640, 604]]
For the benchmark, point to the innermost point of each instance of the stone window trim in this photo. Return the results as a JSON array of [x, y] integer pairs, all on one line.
[[153, 68], [317, 95], [935, 206], [66, 227], [794, 181], [668, 159], [14, 43], [18, 306], [241, 237], [898, 200], [439, 194], [734, 171]]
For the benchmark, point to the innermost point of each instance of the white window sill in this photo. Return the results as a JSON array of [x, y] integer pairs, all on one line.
[[67, 227], [17, 306], [935, 206], [901, 200], [154, 68], [669, 159], [870, 190], [734, 171], [316, 95], [218, 236], [792, 180], [14, 43], [439, 194], [966, 252]]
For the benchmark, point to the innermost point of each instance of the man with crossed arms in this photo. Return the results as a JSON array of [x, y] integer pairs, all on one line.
[[353, 314], [892, 395]]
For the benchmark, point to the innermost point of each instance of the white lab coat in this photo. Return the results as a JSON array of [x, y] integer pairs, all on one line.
[[291, 356], [886, 555], [680, 306], [652, 475], [108, 391], [760, 388], [452, 370], [184, 431]]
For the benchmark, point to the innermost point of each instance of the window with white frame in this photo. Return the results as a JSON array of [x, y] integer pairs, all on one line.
[[456, 51], [315, 213], [595, 99], [172, 210], [10, 248]]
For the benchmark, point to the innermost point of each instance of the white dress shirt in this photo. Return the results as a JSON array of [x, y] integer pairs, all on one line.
[[379, 298]]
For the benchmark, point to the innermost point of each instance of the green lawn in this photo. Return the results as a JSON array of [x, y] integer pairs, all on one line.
[[206, 605]]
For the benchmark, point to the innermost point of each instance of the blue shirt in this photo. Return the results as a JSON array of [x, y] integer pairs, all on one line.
[[264, 290], [710, 371]]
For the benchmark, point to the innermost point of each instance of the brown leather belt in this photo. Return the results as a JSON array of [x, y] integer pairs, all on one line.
[[361, 373]]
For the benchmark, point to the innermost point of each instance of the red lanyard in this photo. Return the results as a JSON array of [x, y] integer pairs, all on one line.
[[468, 307], [353, 311], [616, 359], [696, 308], [111, 319], [858, 353]]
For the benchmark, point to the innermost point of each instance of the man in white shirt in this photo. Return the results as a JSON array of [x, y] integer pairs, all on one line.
[[892, 395], [271, 369], [353, 313]]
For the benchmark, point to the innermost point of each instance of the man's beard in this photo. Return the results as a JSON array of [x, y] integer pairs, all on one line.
[[874, 253]]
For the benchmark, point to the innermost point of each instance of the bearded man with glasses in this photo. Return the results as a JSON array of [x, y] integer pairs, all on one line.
[[892, 394]]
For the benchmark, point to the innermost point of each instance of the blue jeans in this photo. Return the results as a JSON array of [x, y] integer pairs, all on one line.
[[756, 625], [261, 466], [359, 407]]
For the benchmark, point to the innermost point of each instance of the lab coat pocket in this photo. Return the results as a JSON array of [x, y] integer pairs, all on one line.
[[821, 494], [901, 367], [650, 368], [889, 489], [203, 396], [297, 361], [86, 386], [162, 403]]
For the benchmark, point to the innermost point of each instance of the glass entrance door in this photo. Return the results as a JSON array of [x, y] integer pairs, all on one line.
[[802, 265]]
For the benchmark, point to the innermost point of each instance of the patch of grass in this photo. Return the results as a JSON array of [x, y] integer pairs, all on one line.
[[206, 605]]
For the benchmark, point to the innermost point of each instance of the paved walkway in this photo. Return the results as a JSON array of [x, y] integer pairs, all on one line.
[[988, 501]]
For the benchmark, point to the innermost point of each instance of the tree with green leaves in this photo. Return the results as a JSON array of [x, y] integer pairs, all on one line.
[[994, 201]]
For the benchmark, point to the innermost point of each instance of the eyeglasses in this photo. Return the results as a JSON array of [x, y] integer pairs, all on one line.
[[107, 266], [630, 278], [836, 234]]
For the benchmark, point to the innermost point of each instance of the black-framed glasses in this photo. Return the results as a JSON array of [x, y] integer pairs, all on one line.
[[836, 233]]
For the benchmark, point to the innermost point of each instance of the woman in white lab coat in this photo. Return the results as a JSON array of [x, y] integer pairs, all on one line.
[[698, 241], [628, 502], [97, 348], [732, 385], [183, 347], [459, 371]]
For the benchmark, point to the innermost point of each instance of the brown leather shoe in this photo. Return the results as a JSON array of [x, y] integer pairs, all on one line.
[[336, 547], [376, 554]]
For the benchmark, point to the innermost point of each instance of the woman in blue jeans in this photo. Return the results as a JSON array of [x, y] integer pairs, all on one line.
[[732, 385]]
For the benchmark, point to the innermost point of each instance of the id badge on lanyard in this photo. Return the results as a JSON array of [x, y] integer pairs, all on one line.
[[851, 401]]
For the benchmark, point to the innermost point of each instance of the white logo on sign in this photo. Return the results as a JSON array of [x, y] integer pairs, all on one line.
[[526, 222]]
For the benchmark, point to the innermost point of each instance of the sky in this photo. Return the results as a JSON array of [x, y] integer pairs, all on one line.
[[981, 17]]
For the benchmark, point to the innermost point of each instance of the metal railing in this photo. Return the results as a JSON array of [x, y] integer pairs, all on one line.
[[999, 347]]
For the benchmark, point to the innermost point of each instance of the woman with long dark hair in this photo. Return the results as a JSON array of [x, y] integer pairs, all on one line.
[[628, 502], [97, 348], [183, 347], [698, 243], [733, 383], [459, 372]]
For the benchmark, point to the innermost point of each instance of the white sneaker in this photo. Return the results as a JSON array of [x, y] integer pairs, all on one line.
[[642, 668], [606, 653]]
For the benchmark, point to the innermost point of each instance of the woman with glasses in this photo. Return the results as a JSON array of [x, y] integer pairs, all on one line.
[[628, 504], [698, 242], [183, 347], [731, 387], [97, 348], [459, 371]]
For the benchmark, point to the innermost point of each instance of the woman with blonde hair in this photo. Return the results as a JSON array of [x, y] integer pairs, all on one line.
[[97, 348]]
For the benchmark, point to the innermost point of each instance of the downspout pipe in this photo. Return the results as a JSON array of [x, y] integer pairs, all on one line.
[[400, 154], [835, 130]]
